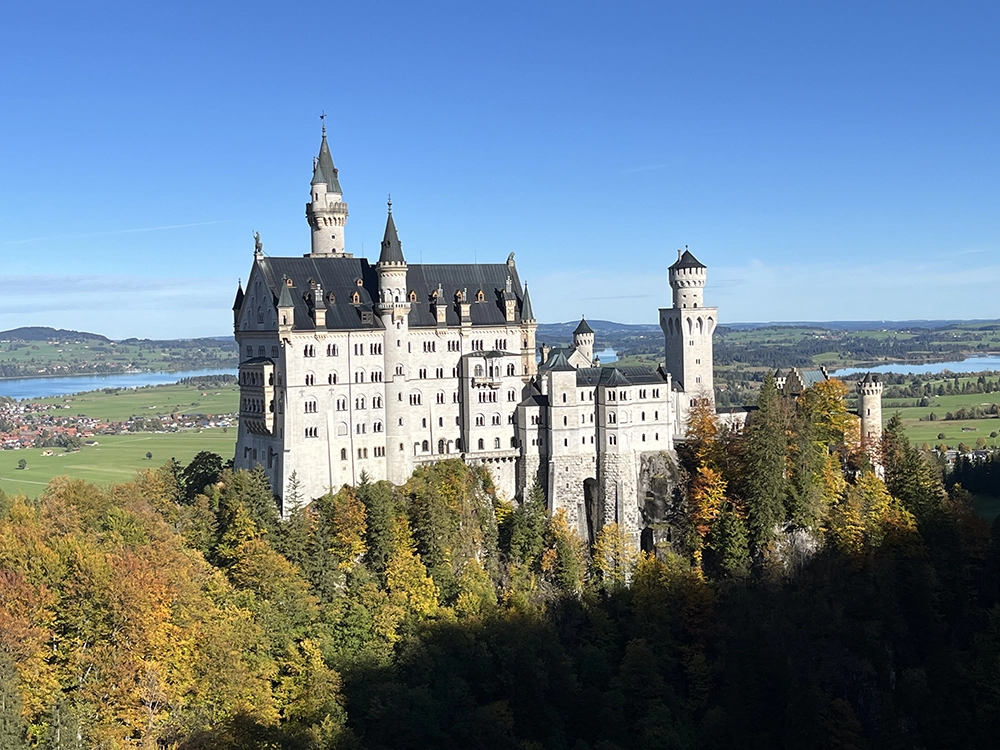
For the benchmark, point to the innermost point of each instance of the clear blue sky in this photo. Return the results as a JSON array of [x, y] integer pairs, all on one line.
[[833, 160]]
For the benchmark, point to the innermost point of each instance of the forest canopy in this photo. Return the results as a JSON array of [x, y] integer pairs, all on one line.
[[810, 598]]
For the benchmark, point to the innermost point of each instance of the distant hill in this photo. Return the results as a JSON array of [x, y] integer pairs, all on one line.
[[41, 333]]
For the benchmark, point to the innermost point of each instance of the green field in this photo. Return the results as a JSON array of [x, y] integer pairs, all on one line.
[[151, 401], [116, 459]]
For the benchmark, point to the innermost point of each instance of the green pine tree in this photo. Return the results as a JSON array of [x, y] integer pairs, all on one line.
[[765, 482]]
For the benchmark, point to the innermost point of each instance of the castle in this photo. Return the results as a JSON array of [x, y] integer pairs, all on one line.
[[349, 368]]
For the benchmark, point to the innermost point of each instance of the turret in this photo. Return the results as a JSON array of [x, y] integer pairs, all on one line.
[[687, 279], [869, 390], [391, 267], [326, 211], [393, 307], [688, 327], [238, 306], [286, 307], [583, 340], [529, 327]]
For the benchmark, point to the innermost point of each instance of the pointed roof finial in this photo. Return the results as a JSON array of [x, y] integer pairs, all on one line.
[[322, 117], [389, 203]]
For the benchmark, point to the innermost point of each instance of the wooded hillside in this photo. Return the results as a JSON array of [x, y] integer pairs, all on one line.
[[803, 603]]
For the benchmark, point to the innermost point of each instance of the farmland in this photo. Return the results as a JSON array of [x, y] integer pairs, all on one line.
[[115, 458]]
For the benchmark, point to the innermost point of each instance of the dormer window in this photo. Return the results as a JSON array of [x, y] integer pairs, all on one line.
[[359, 282], [331, 298], [413, 296], [288, 282], [480, 297], [356, 298]]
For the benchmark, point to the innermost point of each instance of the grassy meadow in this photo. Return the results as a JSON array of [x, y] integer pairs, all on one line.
[[150, 401], [115, 459]]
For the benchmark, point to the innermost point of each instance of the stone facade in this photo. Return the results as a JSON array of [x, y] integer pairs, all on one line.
[[350, 368]]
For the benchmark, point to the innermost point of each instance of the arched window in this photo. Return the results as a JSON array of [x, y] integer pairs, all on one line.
[[332, 378], [496, 419], [481, 444], [480, 297], [496, 442], [511, 370], [343, 454], [442, 445], [356, 298], [425, 447], [480, 420], [479, 371], [310, 379], [413, 298]]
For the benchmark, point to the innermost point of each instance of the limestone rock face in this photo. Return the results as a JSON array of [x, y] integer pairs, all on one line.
[[662, 504]]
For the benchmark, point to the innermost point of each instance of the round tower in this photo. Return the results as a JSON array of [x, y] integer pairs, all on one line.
[[869, 390], [583, 340], [687, 279], [688, 327], [327, 211], [393, 307]]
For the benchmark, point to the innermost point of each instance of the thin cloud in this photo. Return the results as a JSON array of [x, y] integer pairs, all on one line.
[[647, 168], [114, 232]]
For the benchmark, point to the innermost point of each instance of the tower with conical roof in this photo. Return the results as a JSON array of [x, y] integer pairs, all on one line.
[[529, 328], [688, 327], [583, 340], [393, 307], [327, 211]]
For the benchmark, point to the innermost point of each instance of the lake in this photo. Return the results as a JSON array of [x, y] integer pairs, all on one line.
[[972, 364], [41, 387]]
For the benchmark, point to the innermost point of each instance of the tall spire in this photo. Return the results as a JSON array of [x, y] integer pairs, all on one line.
[[323, 169], [526, 311], [392, 249]]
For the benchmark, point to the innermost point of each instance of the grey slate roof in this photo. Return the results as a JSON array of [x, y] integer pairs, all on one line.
[[556, 363], [583, 328], [324, 171], [687, 260], [339, 276], [238, 304], [622, 375], [526, 311], [491, 278], [392, 249], [812, 377]]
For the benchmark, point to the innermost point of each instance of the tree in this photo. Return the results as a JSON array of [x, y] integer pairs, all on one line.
[[22, 464], [908, 475], [149, 455], [613, 560], [203, 470], [765, 471], [12, 729]]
